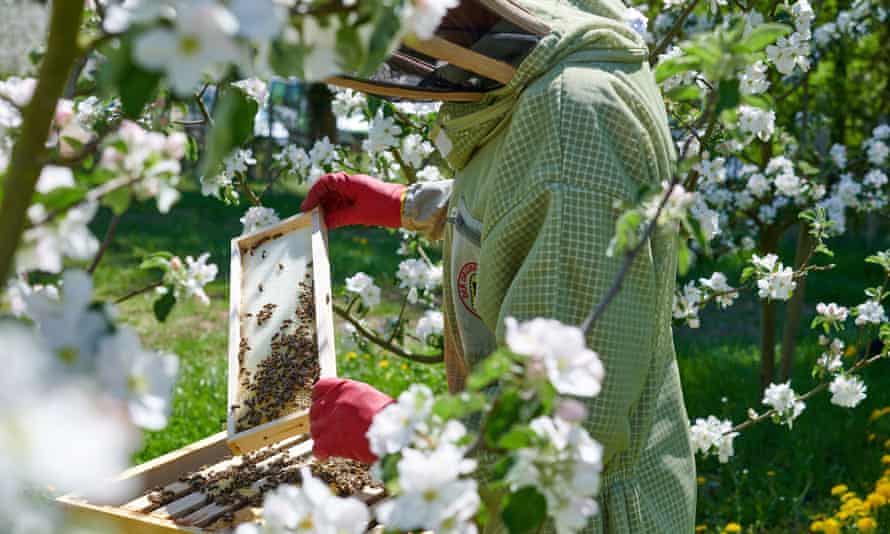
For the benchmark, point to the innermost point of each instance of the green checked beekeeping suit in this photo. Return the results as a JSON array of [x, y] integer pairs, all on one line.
[[541, 164]]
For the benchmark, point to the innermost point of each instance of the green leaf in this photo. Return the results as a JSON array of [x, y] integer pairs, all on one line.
[[163, 305], [674, 66], [524, 511], [491, 369], [504, 414], [460, 405], [157, 260], [122, 77], [118, 200], [517, 438], [762, 36], [728, 94], [383, 39], [684, 257], [233, 126], [62, 197]]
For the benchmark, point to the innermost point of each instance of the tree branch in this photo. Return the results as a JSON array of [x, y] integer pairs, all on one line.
[[382, 343], [673, 32], [28, 153]]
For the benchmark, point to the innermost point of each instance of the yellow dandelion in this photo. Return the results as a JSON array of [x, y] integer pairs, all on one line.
[[700, 480], [842, 515], [770, 473], [866, 524], [831, 526], [817, 526], [701, 528], [885, 459], [884, 489], [404, 367], [871, 437], [732, 527], [887, 443], [840, 489], [351, 355], [847, 496], [383, 364], [875, 500]]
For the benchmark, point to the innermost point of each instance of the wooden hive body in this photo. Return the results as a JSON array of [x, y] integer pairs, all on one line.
[[293, 247]]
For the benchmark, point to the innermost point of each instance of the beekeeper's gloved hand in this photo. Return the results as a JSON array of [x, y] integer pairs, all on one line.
[[341, 413], [356, 199]]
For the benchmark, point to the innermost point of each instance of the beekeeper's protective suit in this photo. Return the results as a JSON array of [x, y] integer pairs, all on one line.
[[541, 164]]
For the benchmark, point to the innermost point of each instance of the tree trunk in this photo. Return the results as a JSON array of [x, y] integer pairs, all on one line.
[[794, 309], [769, 243], [322, 120]]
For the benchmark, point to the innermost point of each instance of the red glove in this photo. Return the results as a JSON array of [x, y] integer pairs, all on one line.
[[340, 416], [356, 199]]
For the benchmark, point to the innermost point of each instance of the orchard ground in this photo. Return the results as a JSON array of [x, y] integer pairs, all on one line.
[[778, 481]]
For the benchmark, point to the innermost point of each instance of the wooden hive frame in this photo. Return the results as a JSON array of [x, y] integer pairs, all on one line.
[[297, 422], [132, 513]]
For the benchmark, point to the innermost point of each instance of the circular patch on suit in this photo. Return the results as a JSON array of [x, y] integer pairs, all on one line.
[[466, 286]]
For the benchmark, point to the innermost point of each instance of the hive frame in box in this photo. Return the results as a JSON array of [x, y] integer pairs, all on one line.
[[297, 422]]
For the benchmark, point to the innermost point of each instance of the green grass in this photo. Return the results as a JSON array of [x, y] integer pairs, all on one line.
[[778, 480]]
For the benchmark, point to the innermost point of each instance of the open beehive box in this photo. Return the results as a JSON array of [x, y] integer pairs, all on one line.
[[281, 340]]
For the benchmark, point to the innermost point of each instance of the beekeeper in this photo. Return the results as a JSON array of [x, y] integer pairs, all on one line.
[[551, 117]]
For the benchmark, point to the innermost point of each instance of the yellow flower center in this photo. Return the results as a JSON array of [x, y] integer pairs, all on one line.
[[189, 44]]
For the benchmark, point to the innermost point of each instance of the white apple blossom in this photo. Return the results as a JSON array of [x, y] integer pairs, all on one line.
[[790, 52], [189, 280], [418, 274], [784, 400], [560, 352], [686, 305], [803, 15], [294, 159], [323, 152], [260, 20], [870, 312], [347, 102], [253, 87], [754, 80], [713, 436], [723, 293], [415, 149], [17, 90], [381, 134], [830, 361], [432, 494], [432, 323], [18, 291], [310, 508], [143, 379], [877, 152], [363, 285], [393, 427], [875, 178], [832, 312], [54, 177], [881, 131], [564, 467], [638, 22], [70, 326], [825, 33], [430, 173], [789, 185], [777, 285], [201, 37], [322, 60], [757, 122], [839, 155], [422, 17], [258, 217], [758, 185], [45, 244], [847, 391]]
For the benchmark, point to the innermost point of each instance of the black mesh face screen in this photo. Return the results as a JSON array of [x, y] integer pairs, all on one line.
[[471, 26]]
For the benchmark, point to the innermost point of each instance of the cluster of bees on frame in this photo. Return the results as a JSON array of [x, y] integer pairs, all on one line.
[[282, 381], [244, 480]]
